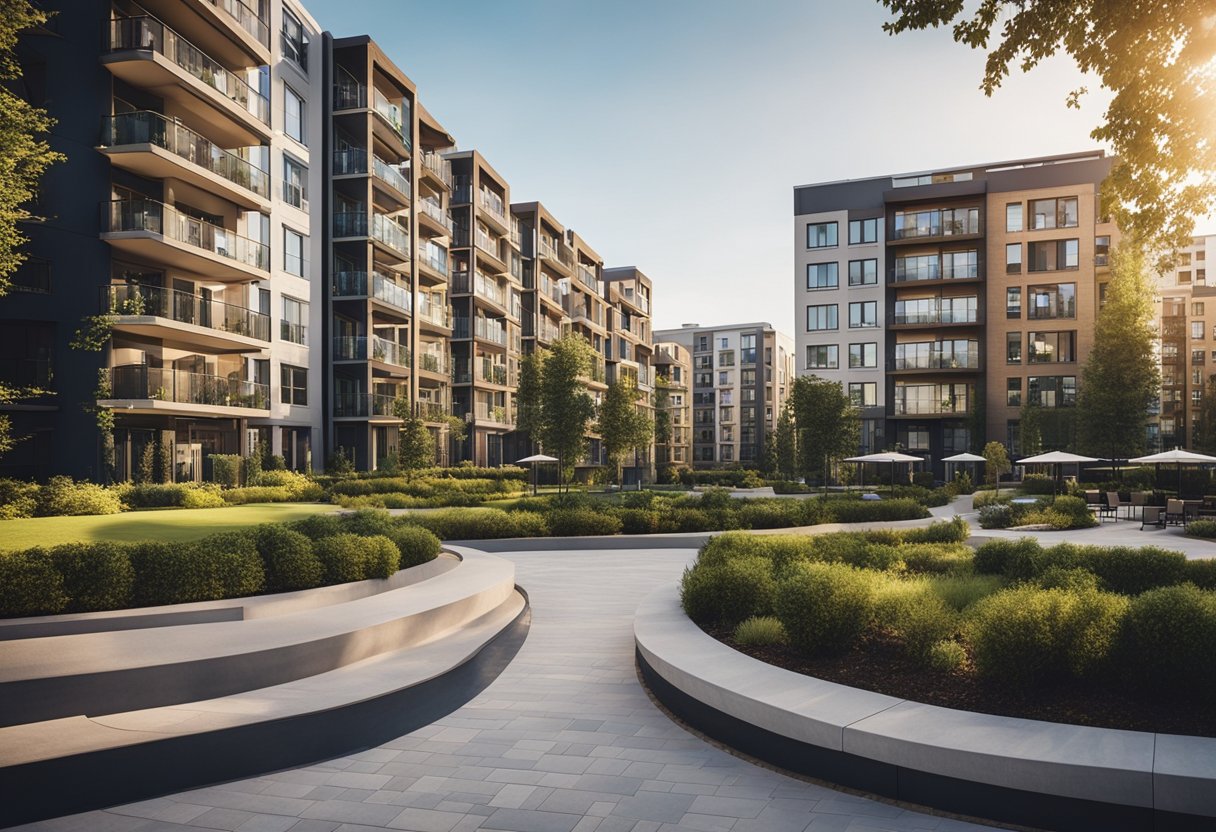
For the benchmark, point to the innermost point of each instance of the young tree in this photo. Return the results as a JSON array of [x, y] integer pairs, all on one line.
[[1121, 377], [565, 408], [768, 456], [528, 405], [617, 424], [996, 464], [1155, 59], [827, 422], [786, 444], [415, 445], [1030, 428]]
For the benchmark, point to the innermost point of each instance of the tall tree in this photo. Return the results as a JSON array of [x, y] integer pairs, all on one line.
[[786, 444], [996, 464], [1121, 377], [528, 404], [24, 157], [827, 422], [415, 445], [617, 422], [1153, 56], [566, 410]]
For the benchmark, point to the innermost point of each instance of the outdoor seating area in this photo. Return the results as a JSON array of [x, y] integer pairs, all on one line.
[[1150, 510]]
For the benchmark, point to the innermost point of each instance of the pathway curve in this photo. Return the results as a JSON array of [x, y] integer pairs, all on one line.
[[565, 739]]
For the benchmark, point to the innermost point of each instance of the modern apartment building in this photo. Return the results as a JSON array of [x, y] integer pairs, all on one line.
[[630, 348], [740, 381], [673, 380], [944, 299], [280, 246], [1186, 313]]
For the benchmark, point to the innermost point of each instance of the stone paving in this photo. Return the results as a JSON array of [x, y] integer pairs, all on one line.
[[565, 740]]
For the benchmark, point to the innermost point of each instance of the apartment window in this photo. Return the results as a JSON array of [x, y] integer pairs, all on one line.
[[293, 384], [1184, 277], [1197, 396], [747, 378], [293, 252], [1054, 213], [821, 317], [294, 40], [726, 414], [727, 433], [293, 115], [1013, 302], [822, 276], [1013, 217], [1013, 258], [1197, 357], [702, 343], [1052, 391], [1054, 255], [723, 378], [1056, 300], [863, 356], [723, 343], [1051, 347], [33, 275], [863, 231], [1197, 309], [1196, 330], [1102, 250], [727, 453], [863, 394], [863, 272], [747, 349], [726, 358], [294, 325], [863, 314], [821, 235], [1013, 392], [727, 397], [957, 265], [1013, 348], [918, 267], [295, 183], [937, 222], [1201, 276], [822, 357]]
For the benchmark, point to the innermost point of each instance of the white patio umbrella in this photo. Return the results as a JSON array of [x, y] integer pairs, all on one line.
[[1177, 457], [533, 460], [1057, 458], [964, 457], [887, 456]]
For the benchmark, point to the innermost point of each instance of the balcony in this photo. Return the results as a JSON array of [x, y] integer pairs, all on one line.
[[364, 406], [229, 30], [389, 352], [138, 388], [937, 312], [435, 258], [293, 333], [559, 257], [356, 348], [181, 318], [433, 411], [149, 229], [492, 372], [493, 210], [948, 222], [934, 357], [395, 117], [596, 371], [353, 284], [434, 363], [495, 415], [434, 313], [484, 329], [933, 399], [433, 214], [930, 269], [384, 230], [637, 300], [586, 276], [147, 54], [488, 247], [592, 317], [150, 145], [437, 169], [546, 331], [481, 285], [349, 92]]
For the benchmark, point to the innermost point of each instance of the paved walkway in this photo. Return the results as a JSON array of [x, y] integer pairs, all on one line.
[[565, 739]]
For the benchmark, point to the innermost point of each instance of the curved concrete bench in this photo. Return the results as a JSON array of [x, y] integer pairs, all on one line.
[[101, 673], [228, 609], [1020, 771]]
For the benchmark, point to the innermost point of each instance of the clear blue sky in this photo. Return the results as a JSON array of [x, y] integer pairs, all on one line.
[[670, 133]]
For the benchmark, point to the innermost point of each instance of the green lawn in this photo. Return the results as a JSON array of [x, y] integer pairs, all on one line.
[[165, 524]]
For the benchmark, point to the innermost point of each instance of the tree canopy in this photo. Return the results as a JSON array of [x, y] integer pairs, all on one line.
[[827, 423], [415, 445], [1155, 57], [566, 409], [622, 426], [996, 464]]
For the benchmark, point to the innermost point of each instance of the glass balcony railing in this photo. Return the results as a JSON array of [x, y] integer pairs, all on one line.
[[434, 311], [139, 381], [596, 371], [486, 412], [932, 399], [385, 172], [434, 257], [363, 404], [481, 285], [293, 333], [146, 127], [375, 348], [349, 93], [391, 234], [436, 212], [390, 352], [186, 308], [486, 243], [438, 166], [492, 203], [937, 311], [935, 357], [393, 113], [433, 362], [139, 214], [433, 411], [246, 18], [347, 284], [350, 160], [586, 276], [147, 34]]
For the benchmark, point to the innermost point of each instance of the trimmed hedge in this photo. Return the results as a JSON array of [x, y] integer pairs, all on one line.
[[575, 522], [30, 584], [1168, 640], [289, 559], [729, 592], [1123, 569], [96, 576], [479, 523], [171, 495], [62, 497], [824, 607], [416, 545]]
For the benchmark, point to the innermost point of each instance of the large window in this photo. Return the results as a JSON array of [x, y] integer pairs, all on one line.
[[863, 314], [726, 358], [1053, 213], [747, 349], [295, 183], [293, 252], [293, 115], [863, 231], [294, 40], [1054, 255], [1013, 217], [961, 310], [1051, 347], [1013, 258], [863, 272], [863, 356], [294, 325], [863, 394], [823, 357], [1102, 250], [937, 222], [1052, 391], [1013, 348], [822, 276], [821, 235], [293, 384], [1056, 300], [821, 317], [959, 265], [953, 354]]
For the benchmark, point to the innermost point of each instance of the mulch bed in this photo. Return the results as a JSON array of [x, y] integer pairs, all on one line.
[[878, 664]]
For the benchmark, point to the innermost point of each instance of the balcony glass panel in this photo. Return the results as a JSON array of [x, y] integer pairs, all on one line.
[[139, 214], [937, 223], [185, 308], [963, 310], [139, 381]]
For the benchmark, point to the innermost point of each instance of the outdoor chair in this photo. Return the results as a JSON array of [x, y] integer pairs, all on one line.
[[1175, 512], [1108, 509], [1113, 503], [1153, 516], [1093, 498], [1139, 501]]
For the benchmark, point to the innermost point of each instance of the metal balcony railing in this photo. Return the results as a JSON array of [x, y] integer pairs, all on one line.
[[139, 381], [185, 308], [433, 362], [385, 172], [140, 214], [492, 202], [363, 404], [293, 333]]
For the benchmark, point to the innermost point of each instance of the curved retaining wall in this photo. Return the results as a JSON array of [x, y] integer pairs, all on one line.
[[1022, 771]]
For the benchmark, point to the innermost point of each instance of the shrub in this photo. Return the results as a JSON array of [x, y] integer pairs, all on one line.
[[1029, 636], [368, 521], [915, 614], [862, 511], [416, 545], [344, 557], [962, 483], [575, 522], [479, 523], [225, 469], [288, 558], [961, 591], [946, 656], [760, 631], [170, 573], [824, 607], [856, 550], [724, 594], [685, 520], [62, 497], [951, 531], [1011, 558], [319, 525], [30, 584], [381, 557], [997, 516], [1168, 638], [935, 558], [638, 520], [1201, 528], [768, 514], [235, 562], [1071, 578], [1201, 573], [18, 499], [990, 498], [1131, 571], [172, 495], [1038, 484], [272, 494], [96, 576], [923, 478]]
